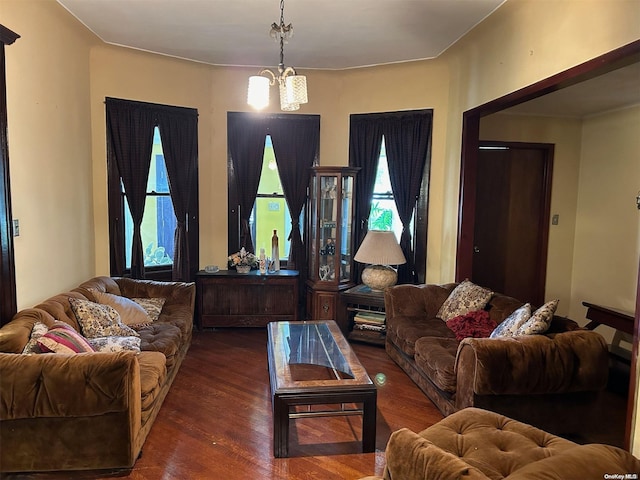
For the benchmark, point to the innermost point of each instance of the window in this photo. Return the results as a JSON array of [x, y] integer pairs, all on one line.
[[152, 166], [159, 221], [270, 211], [384, 213], [394, 146]]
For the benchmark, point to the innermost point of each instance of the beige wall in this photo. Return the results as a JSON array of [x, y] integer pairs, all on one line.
[[49, 148]]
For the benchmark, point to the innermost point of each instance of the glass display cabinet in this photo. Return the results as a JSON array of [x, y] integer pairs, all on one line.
[[330, 240]]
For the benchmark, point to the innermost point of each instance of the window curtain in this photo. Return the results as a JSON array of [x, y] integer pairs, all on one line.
[[246, 136], [296, 141], [130, 142], [179, 133], [365, 141], [407, 140]]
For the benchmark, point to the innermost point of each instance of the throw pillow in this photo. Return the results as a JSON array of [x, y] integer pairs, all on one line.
[[466, 297], [62, 338], [115, 344], [99, 320], [475, 324], [540, 320], [513, 322], [37, 331], [153, 306], [130, 312]]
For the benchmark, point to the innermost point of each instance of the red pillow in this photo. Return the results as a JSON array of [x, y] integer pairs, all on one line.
[[475, 324]]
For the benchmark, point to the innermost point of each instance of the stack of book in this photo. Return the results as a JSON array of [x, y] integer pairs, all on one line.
[[369, 321]]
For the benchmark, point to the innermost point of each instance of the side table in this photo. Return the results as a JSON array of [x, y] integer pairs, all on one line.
[[362, 300]]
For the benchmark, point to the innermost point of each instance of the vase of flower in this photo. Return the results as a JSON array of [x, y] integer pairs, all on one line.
[[243, 261]]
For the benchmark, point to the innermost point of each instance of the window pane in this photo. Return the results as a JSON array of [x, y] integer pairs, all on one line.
[[384, 214], [159, 220], [270, 211]]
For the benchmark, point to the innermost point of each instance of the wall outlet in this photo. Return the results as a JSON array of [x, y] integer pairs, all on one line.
[[16, 227]]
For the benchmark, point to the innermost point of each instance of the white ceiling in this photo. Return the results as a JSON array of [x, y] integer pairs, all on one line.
[[328, 34]]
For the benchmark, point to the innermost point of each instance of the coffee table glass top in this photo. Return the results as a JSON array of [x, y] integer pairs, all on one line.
[[313, 354]]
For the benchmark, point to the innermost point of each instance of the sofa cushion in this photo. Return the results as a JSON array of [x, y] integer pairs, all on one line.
[[99, 320], [476, 324], [161, 337], [405, 331], [115, 344], [583, 461], [513, 322], [62, 338], [131, 313], [436, 357], [153, 374], [465, 298], [540, 320]]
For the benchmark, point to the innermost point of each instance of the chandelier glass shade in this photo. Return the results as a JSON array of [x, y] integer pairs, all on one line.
[[292, 88]]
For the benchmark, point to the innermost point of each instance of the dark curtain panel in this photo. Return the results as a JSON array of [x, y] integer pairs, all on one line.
[[246, 135], [179, 133], [407, 137], [365, 140], [296, 141], [130, 136]]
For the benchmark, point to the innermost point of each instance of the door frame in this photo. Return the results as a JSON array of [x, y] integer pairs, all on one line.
[[547, 150], [620, 57]]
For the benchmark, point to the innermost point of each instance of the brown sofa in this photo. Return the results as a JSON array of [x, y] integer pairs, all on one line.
[[88, 410], [477, 444], [552, 380]]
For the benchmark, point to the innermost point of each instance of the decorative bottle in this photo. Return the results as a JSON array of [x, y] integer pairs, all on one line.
[[262, 262], [275, 251]]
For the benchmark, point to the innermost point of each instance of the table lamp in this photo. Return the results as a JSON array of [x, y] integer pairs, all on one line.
[[379, 250]]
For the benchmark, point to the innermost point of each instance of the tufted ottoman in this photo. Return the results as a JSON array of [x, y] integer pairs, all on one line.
[[478, 444]]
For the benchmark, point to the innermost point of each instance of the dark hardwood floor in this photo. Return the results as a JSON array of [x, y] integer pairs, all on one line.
[[216, 420]]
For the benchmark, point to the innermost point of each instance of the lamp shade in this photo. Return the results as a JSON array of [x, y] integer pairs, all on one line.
[[285, 105], [296, 88], [258, 92], [380, 248]]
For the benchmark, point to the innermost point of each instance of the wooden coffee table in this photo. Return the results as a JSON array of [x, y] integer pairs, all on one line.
[[311, 363]]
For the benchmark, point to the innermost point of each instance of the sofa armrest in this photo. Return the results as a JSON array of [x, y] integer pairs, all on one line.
[[412, 457], [575, 361], [57, 385], [421, 301]]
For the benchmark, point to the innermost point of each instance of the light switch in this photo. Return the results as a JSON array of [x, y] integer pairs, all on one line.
[[16, 227], [555, 219]]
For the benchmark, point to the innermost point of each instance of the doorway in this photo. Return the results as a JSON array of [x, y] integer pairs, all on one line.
[[511, 227]]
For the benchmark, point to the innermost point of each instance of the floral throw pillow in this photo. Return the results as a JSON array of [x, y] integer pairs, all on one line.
[[475, 324], [153, 306], [513, 322], [466, 297], [32, 345], [115, 344], [99, 320], [62, 338], [540, 320]]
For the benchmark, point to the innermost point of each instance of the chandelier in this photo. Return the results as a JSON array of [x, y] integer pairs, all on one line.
[[292, 87]]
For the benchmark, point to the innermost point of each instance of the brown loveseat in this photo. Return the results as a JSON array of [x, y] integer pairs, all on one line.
[[552, 380], [477, 444], [88, 410]]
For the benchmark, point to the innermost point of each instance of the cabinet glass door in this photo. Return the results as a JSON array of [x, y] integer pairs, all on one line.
[[346, 228], [328, 216]]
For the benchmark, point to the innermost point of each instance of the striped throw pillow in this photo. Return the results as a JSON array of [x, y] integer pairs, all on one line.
[[62, 338]]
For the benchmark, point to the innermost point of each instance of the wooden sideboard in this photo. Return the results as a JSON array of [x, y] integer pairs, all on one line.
[[230, 299]]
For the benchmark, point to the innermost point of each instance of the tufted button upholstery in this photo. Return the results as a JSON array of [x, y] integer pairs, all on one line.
[[161, 337]]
